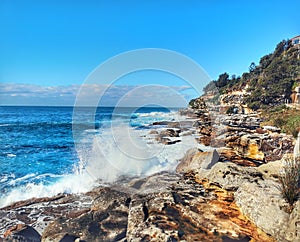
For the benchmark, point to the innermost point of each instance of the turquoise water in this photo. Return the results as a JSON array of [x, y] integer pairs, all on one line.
[[37, 143]]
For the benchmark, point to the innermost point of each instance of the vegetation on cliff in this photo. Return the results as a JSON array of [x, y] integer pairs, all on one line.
[[270, 83], [288, 120]]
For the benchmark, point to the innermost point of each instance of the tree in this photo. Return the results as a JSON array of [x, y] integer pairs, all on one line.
[[252, 67], [222, 80]]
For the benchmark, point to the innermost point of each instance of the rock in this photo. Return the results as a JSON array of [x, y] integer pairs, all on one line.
[[245, 121], [205, 140], [230, 176], [248, 146], [272, 129], [165, 135], [271, 170], [293, 231], [153, 132], [106, 220], [198, 103], [170, 133], [263, 204], [23, 233], [229, 155], [195, 160], [205, 130], [166, 141], [164, 207], [161, 123], [188, 213]]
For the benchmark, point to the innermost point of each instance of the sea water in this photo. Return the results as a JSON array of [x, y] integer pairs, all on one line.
[[41, 156]]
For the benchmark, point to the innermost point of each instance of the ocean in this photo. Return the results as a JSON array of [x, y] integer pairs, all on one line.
[[49, 150]]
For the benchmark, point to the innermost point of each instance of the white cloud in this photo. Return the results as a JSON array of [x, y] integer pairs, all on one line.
[[90, 94]]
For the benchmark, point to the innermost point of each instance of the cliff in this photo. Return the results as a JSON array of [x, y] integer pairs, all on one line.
[[274, 81]]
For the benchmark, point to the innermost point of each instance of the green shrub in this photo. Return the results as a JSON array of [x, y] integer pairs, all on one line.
[[292, 125], [289, 179], [231, 110]]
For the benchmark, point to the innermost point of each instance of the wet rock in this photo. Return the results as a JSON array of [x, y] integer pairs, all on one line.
[[23, 233], [165, 136], [161, 123], [105, 221], [39, 213], [153, 132], [170, 133]]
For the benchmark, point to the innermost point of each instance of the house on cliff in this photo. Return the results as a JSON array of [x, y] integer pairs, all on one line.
[[296, 95], [296, 41]]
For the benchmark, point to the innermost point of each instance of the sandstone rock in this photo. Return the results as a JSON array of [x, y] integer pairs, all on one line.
[[272, 129], [248, 146], [230, 176], [180, 209], [205, 140], [188, 213], [229, 155], [293, 231], [263, 204], [247, 121], [195, 160], [271, 170]]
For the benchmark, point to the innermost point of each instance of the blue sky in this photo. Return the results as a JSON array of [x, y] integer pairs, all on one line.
[[58, 43]]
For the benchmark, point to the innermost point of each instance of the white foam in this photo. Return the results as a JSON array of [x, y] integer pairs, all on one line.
[[67, 184], [13, 182], [11, 155]]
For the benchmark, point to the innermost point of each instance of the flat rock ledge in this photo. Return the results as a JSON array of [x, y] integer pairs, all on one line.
[[255, 192]]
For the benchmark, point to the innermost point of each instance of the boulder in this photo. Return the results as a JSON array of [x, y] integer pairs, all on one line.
[[23, 233], [195, 160], [248, 146], [271, 170], [263, 204]]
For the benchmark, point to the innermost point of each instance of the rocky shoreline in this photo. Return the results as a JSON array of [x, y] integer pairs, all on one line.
[[228, 193]]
